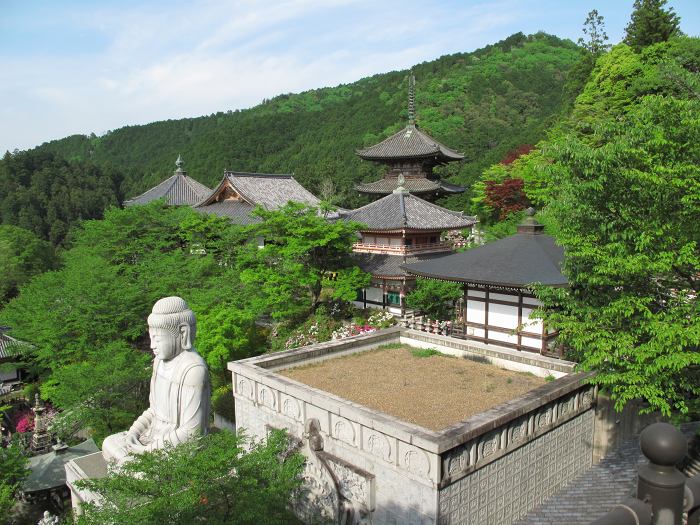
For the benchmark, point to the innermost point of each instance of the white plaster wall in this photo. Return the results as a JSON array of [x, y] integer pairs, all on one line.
[[500, 336], [503, 316], [476, 312], [374, 294], [531, 342], [531, 325]]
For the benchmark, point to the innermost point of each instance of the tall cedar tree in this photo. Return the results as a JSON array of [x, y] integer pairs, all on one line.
[[594, 29], [650, 24]]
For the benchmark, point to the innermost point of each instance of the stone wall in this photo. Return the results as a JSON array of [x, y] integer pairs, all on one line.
[[518, 466], [414, 475]]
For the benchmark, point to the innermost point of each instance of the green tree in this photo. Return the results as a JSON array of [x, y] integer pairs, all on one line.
[[303, 253], [594, 30], [13, 470], [87, 321], [434, 298], [214, 480], [22, 256], [651, 23], [628, 206]]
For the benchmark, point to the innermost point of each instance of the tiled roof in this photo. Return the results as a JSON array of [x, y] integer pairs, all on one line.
[[519, 260], [382, 265], [176, 190], [416, 186], [237, 211], [410, 142], [270, 191], [9, 346], [399, 211]]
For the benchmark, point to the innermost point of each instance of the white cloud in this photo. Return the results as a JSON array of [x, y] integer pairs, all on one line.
[[192, 59]]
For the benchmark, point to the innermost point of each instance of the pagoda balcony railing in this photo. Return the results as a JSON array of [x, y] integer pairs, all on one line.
[[366, 247]]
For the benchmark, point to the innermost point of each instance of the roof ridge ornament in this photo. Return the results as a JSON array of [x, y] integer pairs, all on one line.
[[178, 164], [411, 99], [401, 188]]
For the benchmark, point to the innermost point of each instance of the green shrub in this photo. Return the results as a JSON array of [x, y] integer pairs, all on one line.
[[222, 402]]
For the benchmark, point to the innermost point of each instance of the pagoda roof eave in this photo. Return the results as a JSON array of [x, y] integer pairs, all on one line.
[[409, 143]]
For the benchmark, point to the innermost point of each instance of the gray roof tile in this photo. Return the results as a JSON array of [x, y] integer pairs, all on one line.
[[382, 265], [415, 186], [410, 142], [176, 190], [399, 211], [518, 260], [237, 211]]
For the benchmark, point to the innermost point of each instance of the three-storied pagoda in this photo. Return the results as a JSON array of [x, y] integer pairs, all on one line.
[[399, 229], [412, 153]]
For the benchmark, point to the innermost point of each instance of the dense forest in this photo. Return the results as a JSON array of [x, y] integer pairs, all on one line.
[[483, 103]]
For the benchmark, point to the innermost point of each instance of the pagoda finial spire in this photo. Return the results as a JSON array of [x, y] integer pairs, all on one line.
[[411, 99], [178, 164]]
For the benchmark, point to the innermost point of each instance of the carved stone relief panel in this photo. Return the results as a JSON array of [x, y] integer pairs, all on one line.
[[245, 387], [344, 430], [291, 407], [378, 445], [414, 459], [267, 397]]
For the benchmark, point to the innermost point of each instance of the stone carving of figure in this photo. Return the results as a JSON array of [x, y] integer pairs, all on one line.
[[179, 398], [48, 519]]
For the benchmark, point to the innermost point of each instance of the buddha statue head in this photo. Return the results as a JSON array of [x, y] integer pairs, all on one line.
[[172, 327]]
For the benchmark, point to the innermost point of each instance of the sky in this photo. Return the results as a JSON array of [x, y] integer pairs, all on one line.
[[90, 66]]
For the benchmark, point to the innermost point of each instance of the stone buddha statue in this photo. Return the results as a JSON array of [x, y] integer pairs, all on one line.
[[179, 398]]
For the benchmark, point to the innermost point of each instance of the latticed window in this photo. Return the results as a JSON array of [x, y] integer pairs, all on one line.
[[393, 298]]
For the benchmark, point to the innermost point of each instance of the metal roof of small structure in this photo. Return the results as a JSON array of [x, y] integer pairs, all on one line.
[[48, 470], [402, 211], [416, 185], [177, 190], [271, 191], [520, 260]]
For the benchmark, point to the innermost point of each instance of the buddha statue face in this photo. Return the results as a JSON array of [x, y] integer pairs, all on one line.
[[171, 327], [165, 342]]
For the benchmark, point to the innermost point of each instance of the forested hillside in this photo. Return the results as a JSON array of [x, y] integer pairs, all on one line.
[[483, 103]]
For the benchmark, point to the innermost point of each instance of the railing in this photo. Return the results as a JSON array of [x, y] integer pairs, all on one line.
[[425, 324], [663, 491], [401, 249]]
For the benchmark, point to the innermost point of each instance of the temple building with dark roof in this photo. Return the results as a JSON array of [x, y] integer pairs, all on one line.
[[399, 229], [498, 280], [412, 153], [238, 193], [178, 190]]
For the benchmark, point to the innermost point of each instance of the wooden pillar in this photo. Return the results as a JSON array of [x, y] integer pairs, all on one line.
[[520, 319], [486, 314], [384, 294], [465, 305]]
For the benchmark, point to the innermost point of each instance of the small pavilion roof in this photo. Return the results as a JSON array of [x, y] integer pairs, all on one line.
[[414, 185], [48, 470], [11, 347], [177, 190], [409, 143], [523, 259], [402, 211], [271, 191]]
